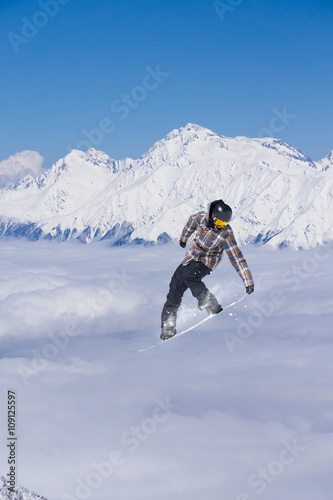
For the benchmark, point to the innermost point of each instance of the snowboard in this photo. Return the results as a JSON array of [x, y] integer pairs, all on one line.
[[191, 327]]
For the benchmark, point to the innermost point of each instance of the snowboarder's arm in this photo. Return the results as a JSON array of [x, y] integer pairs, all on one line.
[[238, 261], [189, 228]]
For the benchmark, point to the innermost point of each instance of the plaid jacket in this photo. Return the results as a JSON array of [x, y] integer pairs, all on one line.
[[208, 246]]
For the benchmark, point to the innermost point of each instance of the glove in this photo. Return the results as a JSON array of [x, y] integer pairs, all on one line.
[[250, 289], [182, 243]]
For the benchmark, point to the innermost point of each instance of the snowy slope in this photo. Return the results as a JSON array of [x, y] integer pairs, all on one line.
[[278, 194], [19, 494]]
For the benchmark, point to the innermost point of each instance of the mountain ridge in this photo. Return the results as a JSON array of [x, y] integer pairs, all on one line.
[[273, 188]]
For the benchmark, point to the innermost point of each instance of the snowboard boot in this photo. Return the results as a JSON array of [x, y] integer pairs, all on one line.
[[168, 332], [169, 327], [214, 308], [209, 302]]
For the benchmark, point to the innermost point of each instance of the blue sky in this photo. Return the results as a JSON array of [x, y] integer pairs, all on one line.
[[79, 73]]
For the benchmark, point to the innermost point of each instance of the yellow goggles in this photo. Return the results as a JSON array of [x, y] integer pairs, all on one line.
[[219, 222]]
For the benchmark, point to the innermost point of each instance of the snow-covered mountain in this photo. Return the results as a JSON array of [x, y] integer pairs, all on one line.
[[278, 194], [19, 494]]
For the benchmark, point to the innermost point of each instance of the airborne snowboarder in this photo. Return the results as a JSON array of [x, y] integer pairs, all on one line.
[[213, 235]]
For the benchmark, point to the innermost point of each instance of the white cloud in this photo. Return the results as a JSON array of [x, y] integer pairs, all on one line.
[[264, 408], [19, 165]]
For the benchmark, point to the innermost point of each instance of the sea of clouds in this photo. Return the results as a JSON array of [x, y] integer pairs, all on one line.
[[238, 409]]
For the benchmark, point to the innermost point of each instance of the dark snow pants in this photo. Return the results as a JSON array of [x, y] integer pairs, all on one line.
[[185, 277]]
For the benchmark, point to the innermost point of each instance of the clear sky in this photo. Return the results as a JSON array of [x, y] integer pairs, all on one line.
[[119, 75]]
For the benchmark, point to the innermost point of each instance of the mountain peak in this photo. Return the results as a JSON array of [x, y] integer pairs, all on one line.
[[329, 156], [179, 141], [327, 162], [191, 129], [92, 155]]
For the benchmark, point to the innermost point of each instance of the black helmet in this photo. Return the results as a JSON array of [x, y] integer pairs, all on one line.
[[221, 211]]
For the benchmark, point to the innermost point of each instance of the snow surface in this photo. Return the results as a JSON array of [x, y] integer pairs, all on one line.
[[242, 391], [279, 195]]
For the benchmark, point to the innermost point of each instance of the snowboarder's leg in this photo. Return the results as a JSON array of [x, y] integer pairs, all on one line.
[[171, 306], [206, 300]]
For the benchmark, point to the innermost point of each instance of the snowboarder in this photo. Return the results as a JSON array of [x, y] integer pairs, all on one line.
[[213, 235]]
